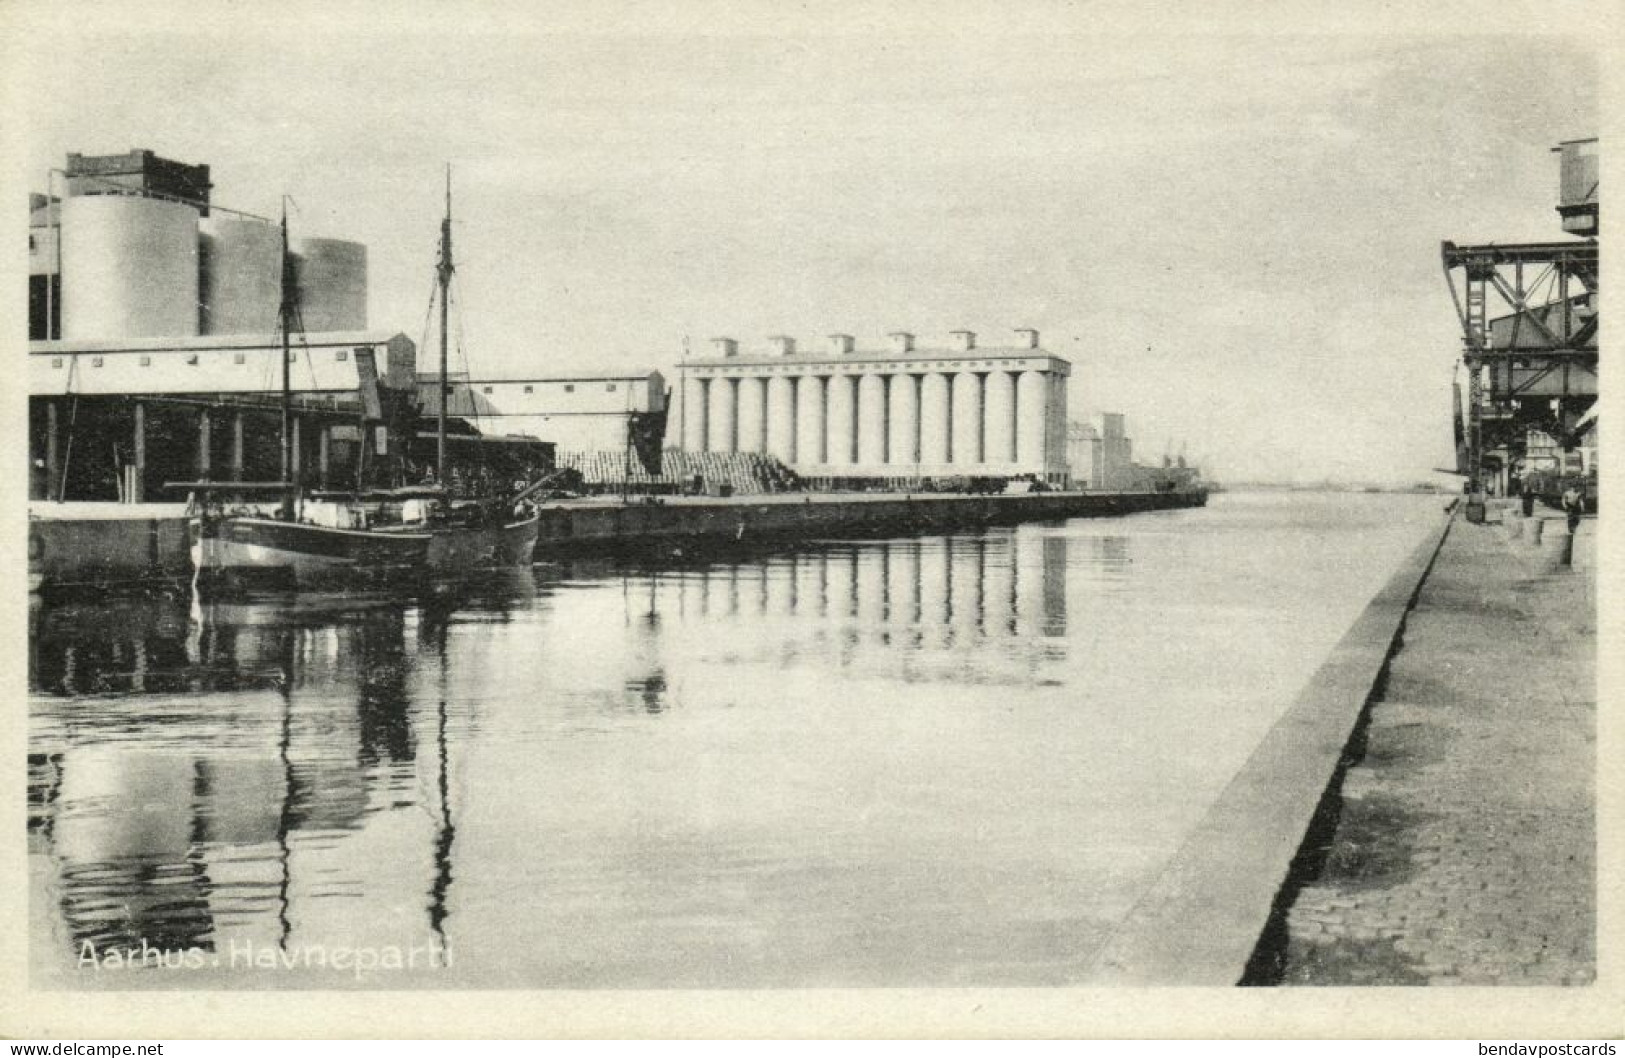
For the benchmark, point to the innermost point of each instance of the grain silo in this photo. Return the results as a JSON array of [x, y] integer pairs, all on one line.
[[129, 268], [332, 276], [241, 276]]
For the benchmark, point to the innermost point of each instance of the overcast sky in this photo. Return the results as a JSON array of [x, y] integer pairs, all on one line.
[[1233, 238]]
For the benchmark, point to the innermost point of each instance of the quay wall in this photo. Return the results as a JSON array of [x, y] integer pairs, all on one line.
[[1202, 920], [572, 527], [106, 551], [107, 545]]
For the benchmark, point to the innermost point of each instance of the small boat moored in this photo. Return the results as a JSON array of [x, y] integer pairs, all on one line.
[[308, 543]]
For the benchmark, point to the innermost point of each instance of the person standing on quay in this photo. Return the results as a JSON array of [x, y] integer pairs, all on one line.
[[1573, 505]]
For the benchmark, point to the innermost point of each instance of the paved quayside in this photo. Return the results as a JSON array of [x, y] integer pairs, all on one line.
[[1465, 848]]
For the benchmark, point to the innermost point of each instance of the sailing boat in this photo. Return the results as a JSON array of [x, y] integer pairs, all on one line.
[[301, 543], [490, 531]]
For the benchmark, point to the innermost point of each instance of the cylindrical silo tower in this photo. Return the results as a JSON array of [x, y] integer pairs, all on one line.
[[720, 420], [781, 418], [903, 421], [129, 268], [967, 418], [752, 423], [1032, 419], [841, 406], [240, 280], [872, 419], [810, 419], [935, 403], [999, 412], [332, 276], [694, 409]]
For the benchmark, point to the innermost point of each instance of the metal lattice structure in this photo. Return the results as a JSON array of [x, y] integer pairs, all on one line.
[[1534, 365], [1529, 328]]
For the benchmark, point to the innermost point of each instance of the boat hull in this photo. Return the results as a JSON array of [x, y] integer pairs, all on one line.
[[253, 551], [461, 550]]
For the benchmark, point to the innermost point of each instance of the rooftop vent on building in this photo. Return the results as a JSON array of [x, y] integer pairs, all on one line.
[[901, 342], [783, 345], [1029, 337], [840, 344], [726, 346], [963, 341]]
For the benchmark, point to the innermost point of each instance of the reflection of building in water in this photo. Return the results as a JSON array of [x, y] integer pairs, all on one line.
[[933, 594], [976, 585], [121, 645], [210, 816]]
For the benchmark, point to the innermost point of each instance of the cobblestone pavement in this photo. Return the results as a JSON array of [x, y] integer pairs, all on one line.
[[1464, 852]]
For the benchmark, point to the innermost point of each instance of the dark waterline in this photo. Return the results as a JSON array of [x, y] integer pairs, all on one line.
[[938, 760]]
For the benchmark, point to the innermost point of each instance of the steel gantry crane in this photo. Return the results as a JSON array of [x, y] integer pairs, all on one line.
[[1529, 324]]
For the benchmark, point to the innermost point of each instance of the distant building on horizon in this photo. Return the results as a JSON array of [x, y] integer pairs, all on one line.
[[1102, 457]]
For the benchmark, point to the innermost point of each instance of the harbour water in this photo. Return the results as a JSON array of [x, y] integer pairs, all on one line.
[[943, 760]]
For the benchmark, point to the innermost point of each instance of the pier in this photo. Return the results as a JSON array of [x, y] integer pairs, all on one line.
[[88, 545], [1398, 826]]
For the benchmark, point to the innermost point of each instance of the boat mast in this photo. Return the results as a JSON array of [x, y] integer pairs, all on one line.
[[444, 269], [286, 314]]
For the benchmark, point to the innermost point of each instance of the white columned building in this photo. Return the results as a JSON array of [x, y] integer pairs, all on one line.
[[810, 432], [752, 415], [903, 413]]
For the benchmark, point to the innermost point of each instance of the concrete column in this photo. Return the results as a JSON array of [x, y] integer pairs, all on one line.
[[752, 423], [935, 409], [203, 442], [999, 413], [841, 435], [810, 419], [53, 452], [238, 451], [720, 421], [967, 418], [694, 409], [1032, 398], [138, 487], [903, 421], [781, 418], [872, 419]]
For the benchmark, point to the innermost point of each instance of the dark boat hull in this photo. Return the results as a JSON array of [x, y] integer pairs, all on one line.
[[462, 550], [253, 551]]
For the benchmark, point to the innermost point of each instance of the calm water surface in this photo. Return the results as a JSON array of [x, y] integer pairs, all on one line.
[[925, 761]]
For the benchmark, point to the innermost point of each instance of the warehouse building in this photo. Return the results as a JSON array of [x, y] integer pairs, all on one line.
[[897, 416], [579, 413]]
